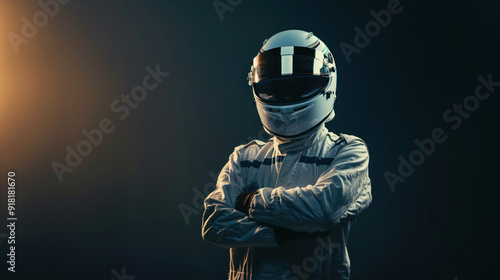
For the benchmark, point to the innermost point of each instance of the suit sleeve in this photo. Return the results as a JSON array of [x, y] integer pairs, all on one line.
[[224, 226], [344, 189]]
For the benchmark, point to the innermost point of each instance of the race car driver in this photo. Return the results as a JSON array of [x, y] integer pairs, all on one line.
[[285, 207]]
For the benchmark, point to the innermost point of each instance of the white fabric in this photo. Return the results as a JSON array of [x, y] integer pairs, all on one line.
[[315, 182]]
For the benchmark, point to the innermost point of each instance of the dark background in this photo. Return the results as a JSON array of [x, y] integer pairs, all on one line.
[[120, 207]]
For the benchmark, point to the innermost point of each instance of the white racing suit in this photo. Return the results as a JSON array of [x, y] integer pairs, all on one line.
[[318, 183]]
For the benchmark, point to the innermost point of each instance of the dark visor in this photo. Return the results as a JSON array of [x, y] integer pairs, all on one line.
[[298, 65], [290, 88]]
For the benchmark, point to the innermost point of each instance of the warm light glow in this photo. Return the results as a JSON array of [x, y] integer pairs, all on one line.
[[49, 91], [5, 77]]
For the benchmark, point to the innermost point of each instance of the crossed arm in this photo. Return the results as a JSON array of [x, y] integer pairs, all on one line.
[[343, 189]]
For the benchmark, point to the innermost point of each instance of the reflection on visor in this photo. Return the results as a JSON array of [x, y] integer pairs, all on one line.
[[289, 89], [300, 65]]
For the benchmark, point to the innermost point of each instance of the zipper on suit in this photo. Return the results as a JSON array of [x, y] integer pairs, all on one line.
[[279, 171]]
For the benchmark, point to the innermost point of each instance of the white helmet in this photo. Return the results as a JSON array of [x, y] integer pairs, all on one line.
[[294, 83]]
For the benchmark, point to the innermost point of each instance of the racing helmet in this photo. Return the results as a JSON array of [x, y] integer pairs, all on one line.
[[294, 81]]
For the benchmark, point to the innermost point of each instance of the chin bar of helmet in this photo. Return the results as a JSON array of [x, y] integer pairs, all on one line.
[[302, 133]]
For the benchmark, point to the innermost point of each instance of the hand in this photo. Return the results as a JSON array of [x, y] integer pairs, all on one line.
[[243, 202]]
